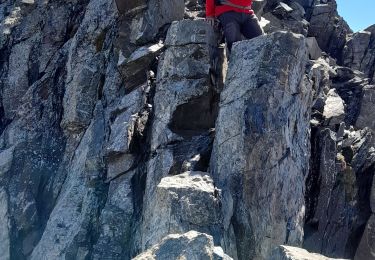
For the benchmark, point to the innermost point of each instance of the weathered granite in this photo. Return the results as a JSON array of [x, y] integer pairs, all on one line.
[[183, 202], [191, 245], [263, 123]]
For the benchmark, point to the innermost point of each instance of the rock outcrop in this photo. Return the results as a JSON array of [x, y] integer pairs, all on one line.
[[359, 52], [124, 129], [261, 150], [183, 202], [190, 245]]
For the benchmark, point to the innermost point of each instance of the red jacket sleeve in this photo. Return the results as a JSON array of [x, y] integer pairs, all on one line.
[[210, 8]]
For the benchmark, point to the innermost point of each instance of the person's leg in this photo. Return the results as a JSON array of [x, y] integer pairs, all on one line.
[[231, 26], [250, 27]]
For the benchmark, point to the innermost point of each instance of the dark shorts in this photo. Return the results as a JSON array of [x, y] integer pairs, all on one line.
[[237, 24]]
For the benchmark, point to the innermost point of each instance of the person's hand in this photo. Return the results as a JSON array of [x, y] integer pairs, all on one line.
[[211, 21]]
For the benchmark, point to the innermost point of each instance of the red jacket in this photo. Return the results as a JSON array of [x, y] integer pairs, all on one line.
[[214, 11]]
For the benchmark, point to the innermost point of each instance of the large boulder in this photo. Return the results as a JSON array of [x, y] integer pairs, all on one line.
[[261, 150], [191, 245], [183, 202], [334, 110], [295, 253]]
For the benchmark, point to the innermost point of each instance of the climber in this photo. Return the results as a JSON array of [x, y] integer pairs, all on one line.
[[236, 18]]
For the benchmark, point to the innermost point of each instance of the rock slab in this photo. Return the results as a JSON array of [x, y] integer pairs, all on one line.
[[261, 150]]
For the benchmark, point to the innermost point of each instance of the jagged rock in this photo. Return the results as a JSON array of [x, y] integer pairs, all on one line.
[[6, 159], [187, 32], [17, 81], [86, 67], [290, 24], [185, 111], [366, 115], [349, 85], [4, 226], [191, 245], [34, 147], [334, 111], [258, 6], [87, 135], [124, 117], [319, 74], [195, 9], [130, 6], [267, 141], [183, 90], [314, 51], [181, 203], [158, 14], [285, 17], [282, 9], [67, 232], [115, 235], [134, 69], [328, 28], [355, 50], [359, 52], [295, 253], [338, 192], [366, 247]]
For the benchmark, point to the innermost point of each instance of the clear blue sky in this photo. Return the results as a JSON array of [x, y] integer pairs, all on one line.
[[359, 14]]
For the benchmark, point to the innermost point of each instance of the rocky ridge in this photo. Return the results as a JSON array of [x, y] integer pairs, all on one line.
[[124, 131]]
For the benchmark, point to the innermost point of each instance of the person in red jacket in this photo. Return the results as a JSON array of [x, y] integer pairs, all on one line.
[[236, 17]]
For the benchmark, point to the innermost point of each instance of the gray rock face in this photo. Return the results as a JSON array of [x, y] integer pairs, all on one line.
[[183, 76], [286, 17], [181, 203], [359, 52], [366, 247], [334, 110], [180, 133], [84, 74], [158, 14], [106, 105], [191, 245], [4, 228], [366, 115], [314, 50], [294, 253], [328, 28], [263, 124], [134, 69], [338, 185], [114, 240], [67, 231]]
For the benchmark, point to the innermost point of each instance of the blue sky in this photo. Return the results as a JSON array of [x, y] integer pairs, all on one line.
[[359, 14]]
